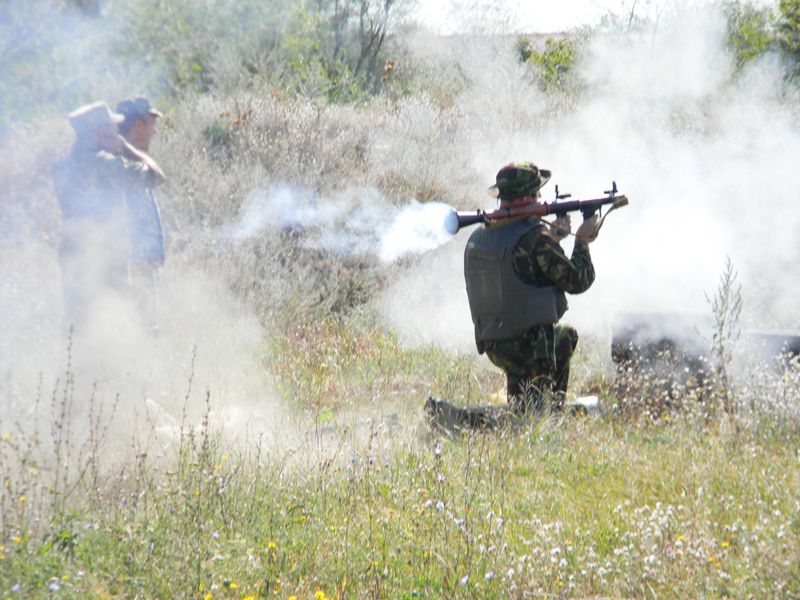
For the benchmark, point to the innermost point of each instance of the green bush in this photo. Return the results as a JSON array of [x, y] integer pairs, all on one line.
[[755, 30], [788, 32], [554, 64], [750, 31]]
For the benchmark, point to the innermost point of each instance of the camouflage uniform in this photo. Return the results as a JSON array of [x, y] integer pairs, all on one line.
[[90, 185], [537, 364]]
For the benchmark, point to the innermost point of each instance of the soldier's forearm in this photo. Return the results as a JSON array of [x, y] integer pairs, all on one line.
[[582, 260], [135, 154], [130, 152], [159, 174]]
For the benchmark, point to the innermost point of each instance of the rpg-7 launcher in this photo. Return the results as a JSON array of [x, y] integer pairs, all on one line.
[[456, 220]]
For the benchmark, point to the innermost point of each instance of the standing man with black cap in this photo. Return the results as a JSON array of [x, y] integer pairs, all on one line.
[[144, 218]]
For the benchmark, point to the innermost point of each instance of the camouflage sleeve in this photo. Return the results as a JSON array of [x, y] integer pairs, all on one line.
[[127, 173], [574, 275], [539, 260]]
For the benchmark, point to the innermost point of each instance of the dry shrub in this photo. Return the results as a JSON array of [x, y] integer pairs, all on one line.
[[658, 382], [220, 152]]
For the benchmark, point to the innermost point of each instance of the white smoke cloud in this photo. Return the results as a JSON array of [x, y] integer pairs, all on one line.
[[207, 344], [357, 221], [707, 158], [416, 229]]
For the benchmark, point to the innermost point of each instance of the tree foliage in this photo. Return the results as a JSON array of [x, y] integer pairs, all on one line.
[[749, 31], [553, 65], [322, 47], [55, 54], [754, 30], [788, 31]]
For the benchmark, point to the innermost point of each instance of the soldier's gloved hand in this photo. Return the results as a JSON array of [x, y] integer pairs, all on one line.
[[587, 232], [561, 228]]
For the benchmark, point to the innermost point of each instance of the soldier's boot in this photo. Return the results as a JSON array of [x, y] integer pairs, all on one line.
[[450, 419], [445, 417], [488, 418]]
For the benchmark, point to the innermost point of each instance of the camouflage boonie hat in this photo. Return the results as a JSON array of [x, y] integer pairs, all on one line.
[[88, 118], [519, 179]]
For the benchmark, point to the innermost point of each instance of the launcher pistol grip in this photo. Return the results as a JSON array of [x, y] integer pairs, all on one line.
[[589, 211]]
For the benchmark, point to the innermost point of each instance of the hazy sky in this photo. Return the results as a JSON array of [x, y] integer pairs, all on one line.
[[540, 16], [522, 15]]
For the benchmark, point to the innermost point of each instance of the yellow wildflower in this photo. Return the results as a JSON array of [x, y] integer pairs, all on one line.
[[7, 436], [65, 578], [292, 597], [725, 544], [16, 539], [23, 499], [233, 585], [208, 596], [272, 545]]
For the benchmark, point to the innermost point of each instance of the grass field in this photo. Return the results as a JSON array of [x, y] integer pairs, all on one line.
[[286, 455], [346, 507]]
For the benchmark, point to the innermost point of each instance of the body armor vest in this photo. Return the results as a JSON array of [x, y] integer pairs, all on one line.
[[503, 306]]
